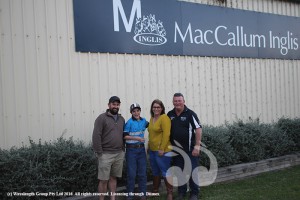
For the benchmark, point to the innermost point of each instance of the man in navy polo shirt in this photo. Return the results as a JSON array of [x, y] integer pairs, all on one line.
[[186, 133]]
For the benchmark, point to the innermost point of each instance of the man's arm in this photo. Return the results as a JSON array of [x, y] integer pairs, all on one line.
[[96, 139], [198, 134]]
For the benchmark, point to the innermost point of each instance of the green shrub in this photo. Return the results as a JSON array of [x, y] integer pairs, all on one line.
[[216, 140], [254, 141], [291, 128], [278, 143], [245, 139], [61, 166], [242, 142]]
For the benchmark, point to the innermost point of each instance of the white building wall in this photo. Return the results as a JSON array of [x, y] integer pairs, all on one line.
[[47, 89]]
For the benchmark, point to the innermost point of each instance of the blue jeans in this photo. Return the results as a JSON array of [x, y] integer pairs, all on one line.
[[179, 162], [136, 163], [159, 164]]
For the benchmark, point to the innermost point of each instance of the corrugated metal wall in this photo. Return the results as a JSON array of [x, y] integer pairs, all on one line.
[[48, 89]]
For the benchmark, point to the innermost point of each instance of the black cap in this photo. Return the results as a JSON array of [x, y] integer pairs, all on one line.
[[113, 99]]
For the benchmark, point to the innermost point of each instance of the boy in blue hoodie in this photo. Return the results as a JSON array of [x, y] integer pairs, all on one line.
[[136, 160]]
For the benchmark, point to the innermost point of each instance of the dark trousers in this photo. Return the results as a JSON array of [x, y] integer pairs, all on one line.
[[179, 162], [136, 164]]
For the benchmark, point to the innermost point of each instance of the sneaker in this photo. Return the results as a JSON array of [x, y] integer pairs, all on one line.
[[193, 197]]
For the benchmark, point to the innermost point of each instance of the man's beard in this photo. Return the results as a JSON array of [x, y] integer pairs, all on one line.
[[114, 111]]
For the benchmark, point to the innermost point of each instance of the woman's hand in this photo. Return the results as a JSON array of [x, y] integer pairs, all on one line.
[[161, 152]]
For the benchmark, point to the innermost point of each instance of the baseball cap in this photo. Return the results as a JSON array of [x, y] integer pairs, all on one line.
[[113, 99], [133, 106]]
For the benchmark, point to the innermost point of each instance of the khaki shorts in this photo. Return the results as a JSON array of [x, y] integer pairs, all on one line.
[[110, 164]]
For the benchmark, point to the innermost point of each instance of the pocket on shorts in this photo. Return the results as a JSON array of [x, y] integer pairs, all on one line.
[[98, 155]]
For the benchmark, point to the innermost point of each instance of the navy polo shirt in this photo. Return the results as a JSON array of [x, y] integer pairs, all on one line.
[[183, 128]]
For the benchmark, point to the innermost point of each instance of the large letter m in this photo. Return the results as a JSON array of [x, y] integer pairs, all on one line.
[[118, 7]]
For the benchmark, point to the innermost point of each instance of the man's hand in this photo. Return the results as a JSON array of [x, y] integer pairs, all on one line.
[[196, 151]]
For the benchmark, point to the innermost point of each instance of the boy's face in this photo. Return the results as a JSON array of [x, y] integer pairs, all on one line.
[[136, 113]]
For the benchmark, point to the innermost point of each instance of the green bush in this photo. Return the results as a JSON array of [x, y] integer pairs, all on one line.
[[291, 128], [254, 141], [61, 166], [66, 165], [242, 142], [216, 140]]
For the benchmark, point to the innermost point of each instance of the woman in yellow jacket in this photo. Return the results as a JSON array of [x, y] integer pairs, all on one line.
[[159, 146]]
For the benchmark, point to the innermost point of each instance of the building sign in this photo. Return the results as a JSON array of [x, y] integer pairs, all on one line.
[[173, 27]]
